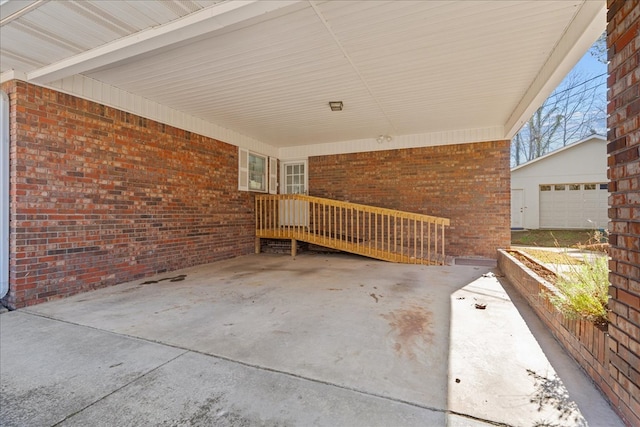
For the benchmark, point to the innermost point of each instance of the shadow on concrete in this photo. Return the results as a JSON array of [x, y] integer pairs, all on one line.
[[270, 340], [570, 384]]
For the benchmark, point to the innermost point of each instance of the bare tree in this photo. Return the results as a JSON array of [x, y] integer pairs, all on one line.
[[535, 138], [582, 106], [599, 49], [575, 110]]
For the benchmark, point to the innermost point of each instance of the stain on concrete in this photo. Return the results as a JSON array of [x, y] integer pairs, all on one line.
[[173, 307], [241, 297], [411, 328], [216, 411], [401, 287], [178, 278]]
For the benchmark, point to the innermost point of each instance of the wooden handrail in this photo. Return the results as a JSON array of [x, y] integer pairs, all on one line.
[[371, 231]]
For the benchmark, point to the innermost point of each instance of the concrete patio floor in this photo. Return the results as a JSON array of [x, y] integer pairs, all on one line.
[[333, 340]]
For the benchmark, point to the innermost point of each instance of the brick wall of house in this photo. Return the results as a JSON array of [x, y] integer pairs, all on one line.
[[623, 40], [100, 196], [468, 183]]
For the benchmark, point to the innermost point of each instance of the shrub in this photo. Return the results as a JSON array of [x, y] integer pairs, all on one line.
[[584, 291]]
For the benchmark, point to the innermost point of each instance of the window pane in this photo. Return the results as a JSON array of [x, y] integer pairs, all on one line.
[[604, 186], [589, 186], [257, 172], [545, 188], [573, 187], [559, 187]]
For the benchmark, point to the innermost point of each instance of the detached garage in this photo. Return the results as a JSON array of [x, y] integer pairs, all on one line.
[[563, 189]]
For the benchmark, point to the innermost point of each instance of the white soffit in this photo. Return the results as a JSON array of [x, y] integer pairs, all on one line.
[[446, 70], [44, 32]]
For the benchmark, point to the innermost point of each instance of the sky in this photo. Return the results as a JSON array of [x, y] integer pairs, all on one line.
[[594, 74], [591, 65], [588, 68]]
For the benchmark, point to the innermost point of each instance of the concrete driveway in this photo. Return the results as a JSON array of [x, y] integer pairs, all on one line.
[[329, 340]]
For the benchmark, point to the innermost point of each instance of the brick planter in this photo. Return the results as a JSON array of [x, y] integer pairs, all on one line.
[[586, 343]]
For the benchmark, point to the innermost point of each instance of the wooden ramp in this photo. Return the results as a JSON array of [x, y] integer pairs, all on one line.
[[380, 233]]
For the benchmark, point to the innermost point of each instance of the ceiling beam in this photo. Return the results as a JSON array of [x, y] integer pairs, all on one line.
[[193, 25], [11, 10], [585, 28]]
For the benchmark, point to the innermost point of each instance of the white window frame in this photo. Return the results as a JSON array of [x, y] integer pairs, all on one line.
[[258, 181], [283, 174], [269, 177], [273, 175]]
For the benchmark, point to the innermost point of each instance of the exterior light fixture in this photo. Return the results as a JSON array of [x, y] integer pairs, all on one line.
[[383, 138], [335, 105]]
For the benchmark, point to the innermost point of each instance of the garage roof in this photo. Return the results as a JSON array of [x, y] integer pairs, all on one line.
[[594, 137], [261, 73]]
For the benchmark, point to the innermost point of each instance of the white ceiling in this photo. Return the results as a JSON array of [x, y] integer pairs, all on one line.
[[268, 69]]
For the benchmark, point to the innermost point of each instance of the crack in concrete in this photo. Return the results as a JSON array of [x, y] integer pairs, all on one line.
[[258, 367]]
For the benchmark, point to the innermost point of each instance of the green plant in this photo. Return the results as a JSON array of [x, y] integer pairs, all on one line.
[[584, 291], [550, 238]]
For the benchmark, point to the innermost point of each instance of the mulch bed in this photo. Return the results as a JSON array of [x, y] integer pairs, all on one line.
[[540, 270]]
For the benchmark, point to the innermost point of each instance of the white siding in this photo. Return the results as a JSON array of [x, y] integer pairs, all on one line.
[[563, 207], [579, 163]]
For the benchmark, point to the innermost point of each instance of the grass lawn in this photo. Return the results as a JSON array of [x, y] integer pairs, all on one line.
[[552, 238]]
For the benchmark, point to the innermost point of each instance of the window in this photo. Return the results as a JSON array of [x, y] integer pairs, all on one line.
[[295, 178], [604, 186], [589, 186], [560, 187], [545, 188], [257, 172], [574, 187]]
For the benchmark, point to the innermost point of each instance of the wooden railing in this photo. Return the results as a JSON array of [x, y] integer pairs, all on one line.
[[380, 233]]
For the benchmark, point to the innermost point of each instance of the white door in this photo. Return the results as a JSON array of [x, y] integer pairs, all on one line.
[[517, 208], [294, 181]]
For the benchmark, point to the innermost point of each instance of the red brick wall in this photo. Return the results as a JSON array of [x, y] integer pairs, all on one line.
[[100, 196], [623, 40], [468, 183]]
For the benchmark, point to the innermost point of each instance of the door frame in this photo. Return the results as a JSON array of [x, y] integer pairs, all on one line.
[[299, 206], [283, 174], [521, 208]]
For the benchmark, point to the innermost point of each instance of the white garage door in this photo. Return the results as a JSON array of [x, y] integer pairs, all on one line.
[[573, 205]]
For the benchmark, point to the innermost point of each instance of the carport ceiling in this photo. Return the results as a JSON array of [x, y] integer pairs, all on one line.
[[268, 69]]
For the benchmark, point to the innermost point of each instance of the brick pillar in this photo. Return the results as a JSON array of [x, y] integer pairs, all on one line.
[[623, 41]]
